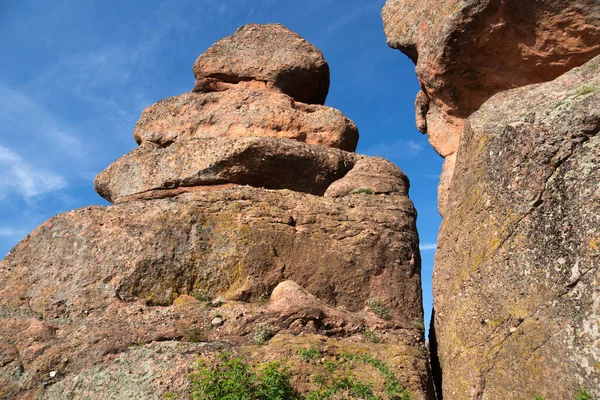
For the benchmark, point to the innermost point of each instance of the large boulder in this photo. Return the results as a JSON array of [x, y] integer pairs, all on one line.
[[518, 262], [467, 51], [244, 112], [271, 55], [107, 295], [200, 161]]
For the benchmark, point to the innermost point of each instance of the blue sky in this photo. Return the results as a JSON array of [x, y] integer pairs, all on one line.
[[75, 76]]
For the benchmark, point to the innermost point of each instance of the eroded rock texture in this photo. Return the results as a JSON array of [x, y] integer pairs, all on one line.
[[467, 51], [265, 55], [518, 266], [261, 237]]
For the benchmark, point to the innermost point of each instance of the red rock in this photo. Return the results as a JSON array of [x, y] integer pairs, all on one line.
[[371, 176], [467, 51], [244, 112], [269, 54], [95, 285], [198, 161]]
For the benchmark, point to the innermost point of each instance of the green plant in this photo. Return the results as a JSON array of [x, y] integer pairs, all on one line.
[[582, 394], [538, 398], [362, 190], [232, 379], [593, 66], [392, 385], [329, 366], [201, 295], [379, 308], [371, 337], [312, 353], [261, 334], [170, 395]]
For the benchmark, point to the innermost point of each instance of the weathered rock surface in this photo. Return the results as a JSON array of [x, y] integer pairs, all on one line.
[[467, 51], [255, 161], [370, 175], [86, 288], [269, 55], [244, 112], [517, 301], [121, 301]]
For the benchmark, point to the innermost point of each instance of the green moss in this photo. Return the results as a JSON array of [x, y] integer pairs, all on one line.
[[583, 90], [582, 394]]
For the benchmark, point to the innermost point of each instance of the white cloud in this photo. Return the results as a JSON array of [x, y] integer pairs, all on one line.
[[21, 115], [428, 246], [18, 175]]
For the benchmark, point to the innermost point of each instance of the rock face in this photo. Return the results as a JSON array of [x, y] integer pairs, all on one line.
[[516, 278], [467, 51], [256, 161], [516, 271], [238, 239], [244, 112], [269, 55]]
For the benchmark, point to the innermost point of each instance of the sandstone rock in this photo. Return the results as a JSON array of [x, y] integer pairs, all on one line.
[[244, 112], [466, 51], [269, 54], [255, 161], [518, 264], [110, 287], [370, 175]]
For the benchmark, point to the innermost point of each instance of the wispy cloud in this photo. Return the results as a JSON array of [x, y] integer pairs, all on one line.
[[23, 118], [18, 175], [428, 246], [9, 232]]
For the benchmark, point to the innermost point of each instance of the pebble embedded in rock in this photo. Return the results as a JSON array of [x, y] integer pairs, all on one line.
[[217, 321]]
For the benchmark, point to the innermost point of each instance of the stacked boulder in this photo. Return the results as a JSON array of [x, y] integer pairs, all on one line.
[[243, 222]]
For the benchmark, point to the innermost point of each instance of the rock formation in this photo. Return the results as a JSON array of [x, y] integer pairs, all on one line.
[[517, 268], [467, 51], [242, 218]]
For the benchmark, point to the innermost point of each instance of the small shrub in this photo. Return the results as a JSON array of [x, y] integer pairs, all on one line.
[[593, 66], [201, 295], [261, 334], [379, 308], [582, 394], [232, 379], [362, 190], [538, 398], [419, 325], [312, 353], [371, 337]]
